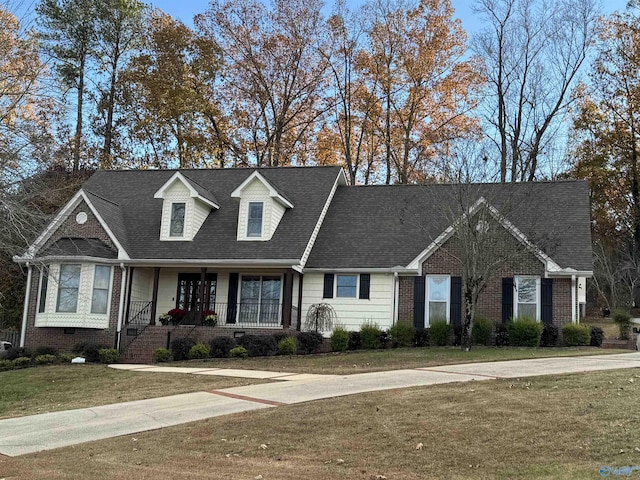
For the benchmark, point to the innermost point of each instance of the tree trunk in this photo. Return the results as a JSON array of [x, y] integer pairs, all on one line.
[[77, 140]]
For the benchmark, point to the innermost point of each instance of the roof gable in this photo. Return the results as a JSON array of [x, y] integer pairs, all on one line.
[[273, 191], [195, 190]]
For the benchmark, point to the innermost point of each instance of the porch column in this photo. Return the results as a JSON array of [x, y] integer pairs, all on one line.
[[203, 279], [287, 300], [129, 285], [299, 319], [154, 296]]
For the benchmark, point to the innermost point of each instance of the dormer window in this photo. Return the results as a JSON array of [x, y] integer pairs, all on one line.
[[254, 221], [176, 228]]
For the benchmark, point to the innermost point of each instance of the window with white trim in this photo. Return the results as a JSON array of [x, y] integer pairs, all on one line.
[[346, 286], [438, 298], [100, 296], [260, 299], [176, 226], [68, 286], [254, 219], [527, 297], [44, 286]]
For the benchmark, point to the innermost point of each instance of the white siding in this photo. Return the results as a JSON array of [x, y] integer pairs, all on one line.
[[194, 216], [353, 312], [272, 211], [82, 318]]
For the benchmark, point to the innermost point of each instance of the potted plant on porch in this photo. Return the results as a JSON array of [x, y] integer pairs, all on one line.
[[165, 318], [176, 315], [210, 318]]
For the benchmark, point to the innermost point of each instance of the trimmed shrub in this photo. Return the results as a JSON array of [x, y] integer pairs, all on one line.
[[524, 332], [259, 345], [421, 338], [238, 352], [502, 335], [575, 335], [339, 340], [279, 336], [287, 346], [622, 319], [309, 342], [482, 330], [221, 346], [161, 355], [45, 359], [198, 352], [370, 335], [78, 348], [597, 336], [180, 348], [6, 365], [66, 357], [22, 362], [91, 352], [457, 334], [402, 335], [17, 352], [549, 336], [440, 333], [45, 351], [355, 340], [108, 355]]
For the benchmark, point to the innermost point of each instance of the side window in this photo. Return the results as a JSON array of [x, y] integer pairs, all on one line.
[[44, 286], [176, 228], [254, 219], [438, 289], [100, 296], [527, 297]]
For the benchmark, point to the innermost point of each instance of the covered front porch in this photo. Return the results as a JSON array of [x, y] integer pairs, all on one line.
[[247, 298]]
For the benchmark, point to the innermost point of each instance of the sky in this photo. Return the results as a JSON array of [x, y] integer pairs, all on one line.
[[186, 9]]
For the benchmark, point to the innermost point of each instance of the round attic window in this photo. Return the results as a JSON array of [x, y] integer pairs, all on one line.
[[81, 218]]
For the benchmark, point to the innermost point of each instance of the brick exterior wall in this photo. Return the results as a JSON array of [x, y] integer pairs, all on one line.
[[90, 229], [444, 262], [55, 337]]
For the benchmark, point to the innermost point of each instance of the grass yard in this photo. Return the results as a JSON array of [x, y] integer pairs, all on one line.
[[361, 361], [542, 428], [607, 324], [63, 387]]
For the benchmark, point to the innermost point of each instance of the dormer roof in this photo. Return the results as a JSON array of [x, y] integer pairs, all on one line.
[[273, 191], [195, 190]]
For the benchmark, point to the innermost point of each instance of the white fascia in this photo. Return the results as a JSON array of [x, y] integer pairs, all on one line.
[[273, 193], [59, 219], [193, 193]]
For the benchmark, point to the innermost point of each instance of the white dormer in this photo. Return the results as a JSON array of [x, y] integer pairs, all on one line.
[[185, 207], [261, 208]]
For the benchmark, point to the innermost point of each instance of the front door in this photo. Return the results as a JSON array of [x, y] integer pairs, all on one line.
[[188, 296]]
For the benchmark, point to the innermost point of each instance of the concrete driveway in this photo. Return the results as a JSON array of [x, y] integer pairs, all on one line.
[[20, 436]]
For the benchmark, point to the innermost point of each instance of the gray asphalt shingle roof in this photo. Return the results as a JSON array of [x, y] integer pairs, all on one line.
[[85, 247], [388, 226], [125, 200]]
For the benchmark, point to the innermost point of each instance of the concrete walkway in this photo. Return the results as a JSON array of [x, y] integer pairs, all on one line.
[[19, 436]]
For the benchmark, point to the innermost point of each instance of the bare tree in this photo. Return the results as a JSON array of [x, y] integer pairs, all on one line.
[[533, 51]]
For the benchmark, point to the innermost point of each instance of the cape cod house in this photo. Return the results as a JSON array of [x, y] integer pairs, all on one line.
[[259, 246]]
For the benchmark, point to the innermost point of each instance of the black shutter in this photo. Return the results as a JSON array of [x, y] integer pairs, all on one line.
[[507, 299], [328, 285], [547, 300], [365, 283], [418, 302], [456, 301], [232, 297]]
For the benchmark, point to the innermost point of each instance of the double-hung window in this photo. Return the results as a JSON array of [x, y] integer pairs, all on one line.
[[438, 290], [44, 286], [346, 286], [527, 297], [100, 297], [254, 219], [260, 299], [176, 227], [68, 286]]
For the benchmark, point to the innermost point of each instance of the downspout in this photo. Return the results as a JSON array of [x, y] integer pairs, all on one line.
[[573, 298], [25, 312], [396, 299], [123, 283]]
